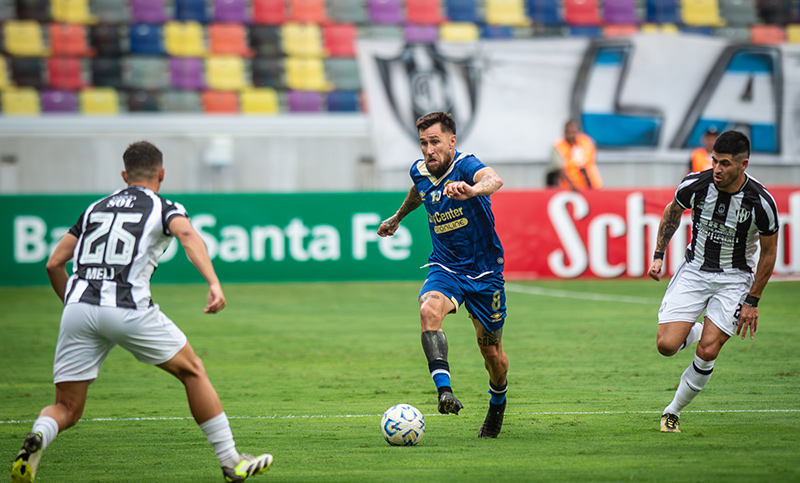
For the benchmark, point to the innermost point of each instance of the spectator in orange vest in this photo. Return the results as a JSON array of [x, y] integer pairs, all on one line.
[[572, 162], [701, 157]]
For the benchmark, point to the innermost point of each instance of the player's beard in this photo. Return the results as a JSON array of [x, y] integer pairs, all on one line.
[[440, 169]]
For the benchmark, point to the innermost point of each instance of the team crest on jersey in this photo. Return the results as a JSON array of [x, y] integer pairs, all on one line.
[[429, 81], [742, 215], [721, 208]]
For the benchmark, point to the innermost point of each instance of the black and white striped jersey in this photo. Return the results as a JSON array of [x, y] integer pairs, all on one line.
[[120, 238], [726, 226]]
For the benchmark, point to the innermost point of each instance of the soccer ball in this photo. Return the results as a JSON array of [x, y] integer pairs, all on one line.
[[402, 425]]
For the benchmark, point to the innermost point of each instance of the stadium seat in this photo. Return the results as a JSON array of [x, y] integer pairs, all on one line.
[[303, 40], [343, 74], [182, 101], [381, 32], [220, 102], [269, 72], [778, 12], [651, 28], [146, 39], [620, 12], [38, 10], [110, 11], [767, 34], [385, 11], [662, 11], [425, 12], [582, 12], [225, 72], [24, 38], [145, 72], [348, 11], [304, 101], [69, 39], [229, 38], [5, 82], [191, 11], [312, 11], [738, 12], [99, 101], [545, 12], [463, 11], [414, 33], [71, 11], [106, 39], [28, 72], [701, 13], [65, 73], [269, 12], [733, 34], [343, 101], [187, 73], [21, 101], [306, 74], [707, 31], [793, 33], [144, 101], [148, 11], [107, 72], [613, 31], [230, 11], [587, 31], [340, 39], [497, 32], [266, 40], [459, 32], [506, 12], [58, 101], [184, 39], [260, 101]]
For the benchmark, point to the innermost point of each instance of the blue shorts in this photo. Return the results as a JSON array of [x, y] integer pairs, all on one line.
[[485, 298]]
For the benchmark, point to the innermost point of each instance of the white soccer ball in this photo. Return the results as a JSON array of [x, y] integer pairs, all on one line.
[[402, 425]]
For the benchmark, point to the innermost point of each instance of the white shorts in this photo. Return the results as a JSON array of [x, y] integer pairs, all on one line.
[[720, 294], [89, 332]]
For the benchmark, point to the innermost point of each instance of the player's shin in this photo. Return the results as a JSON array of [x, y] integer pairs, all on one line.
[[693, 381], [434, 343]]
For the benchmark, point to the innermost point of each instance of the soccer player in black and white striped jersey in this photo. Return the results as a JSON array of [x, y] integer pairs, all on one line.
[[115, 247], [732, 214]]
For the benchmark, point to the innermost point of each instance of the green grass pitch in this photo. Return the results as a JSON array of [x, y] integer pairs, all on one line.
[[305, 371]]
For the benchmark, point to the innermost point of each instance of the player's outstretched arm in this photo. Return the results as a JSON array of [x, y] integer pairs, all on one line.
[[487, 181], [196, 250], [412, 202], [766, 263], [670, 221], [57, 264]]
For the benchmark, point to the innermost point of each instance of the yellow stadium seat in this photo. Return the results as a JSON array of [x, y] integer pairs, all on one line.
[[24, 38], [262, 100], [306, 74], [99, 101], [184, 39], [302, 39], [71, 11], [506, 12], [459, 32], [664, 28], [793, 33], [4, 84], [21, 102], [225, 73], [701, 13]]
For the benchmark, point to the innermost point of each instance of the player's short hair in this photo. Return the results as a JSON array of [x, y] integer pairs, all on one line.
[[444, 118], [142, 160], [734, 143]]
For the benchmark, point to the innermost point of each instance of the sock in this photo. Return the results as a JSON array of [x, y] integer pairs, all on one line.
[[47, 427], [693, 381], [440, 372], [498, 393], [434, 343], [218, 433], [694, 336]]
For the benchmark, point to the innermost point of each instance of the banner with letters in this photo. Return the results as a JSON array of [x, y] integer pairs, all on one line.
[[642, 97], [330, 237]]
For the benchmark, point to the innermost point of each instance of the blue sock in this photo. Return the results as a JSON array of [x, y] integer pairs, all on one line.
[[440, 372], [498, 393]]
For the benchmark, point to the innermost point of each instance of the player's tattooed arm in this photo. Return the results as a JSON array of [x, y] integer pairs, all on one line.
[[411, 203], [670, 221], [487, 182]]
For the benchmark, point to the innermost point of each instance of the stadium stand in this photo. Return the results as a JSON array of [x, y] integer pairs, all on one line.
[[148, 11], [110, 11], [99, 101], [22, 101], [69, 39], [59, 101], [191, 11], [184, 39], [260, 100], [269, 12], [506, 12], [424, 12], [311, 11], [220, 102]]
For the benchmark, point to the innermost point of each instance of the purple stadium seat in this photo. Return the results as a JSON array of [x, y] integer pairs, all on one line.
[[59, 101], [305, 101], [148, 11], [421, 33], [385, 11], [620, 12], [230, 11], [187, 73]]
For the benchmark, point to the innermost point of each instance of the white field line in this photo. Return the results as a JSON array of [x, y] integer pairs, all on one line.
[[570, 294], [356, 416]]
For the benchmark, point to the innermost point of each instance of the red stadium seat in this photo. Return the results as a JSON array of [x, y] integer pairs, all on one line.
[[269, 12], [340, 40], [424, 11], [582, 12], [313, 11], [65, 73], [220, 102], [69, 39], [229, 38]]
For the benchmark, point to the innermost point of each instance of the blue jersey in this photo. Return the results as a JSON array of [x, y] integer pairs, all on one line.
[[462, 232]]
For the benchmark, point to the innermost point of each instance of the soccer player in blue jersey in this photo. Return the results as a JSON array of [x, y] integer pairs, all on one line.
[[466, 264]]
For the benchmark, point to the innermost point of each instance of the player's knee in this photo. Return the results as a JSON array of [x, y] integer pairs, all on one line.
[[667, 347], [429, 318], [707, 351]]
